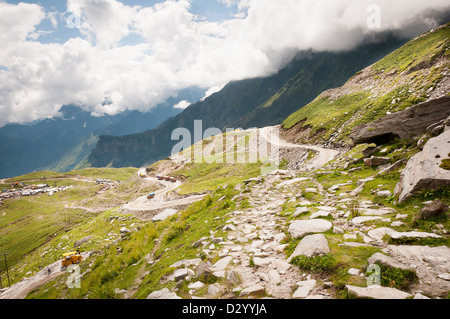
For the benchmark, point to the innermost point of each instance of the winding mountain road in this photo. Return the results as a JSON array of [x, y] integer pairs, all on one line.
[[159, 201], [324, 155]]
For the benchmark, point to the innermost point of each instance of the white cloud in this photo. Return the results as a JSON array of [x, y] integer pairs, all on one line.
[[182, 105], [179, 49]]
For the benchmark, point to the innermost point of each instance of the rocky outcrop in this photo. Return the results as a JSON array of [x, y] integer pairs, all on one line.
[[406, 124], [436, 208], [422, 171]]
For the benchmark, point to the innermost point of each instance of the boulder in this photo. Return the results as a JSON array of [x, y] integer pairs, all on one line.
[[386, 261], [376, 161], [163, 294], [310, 246], [406, 124], [255, 290], [422, 172], [377, 292], [82, 241], [304, 288], [436, 208], [300, 228], [320, 213], [222, 264]]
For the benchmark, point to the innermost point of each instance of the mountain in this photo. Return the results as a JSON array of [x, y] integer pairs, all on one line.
[[63, 143], [248, 103], [333, 227], [415, 73]]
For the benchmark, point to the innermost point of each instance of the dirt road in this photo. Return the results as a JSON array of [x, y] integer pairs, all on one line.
[[21, 289], [159, 201], [323, 156]]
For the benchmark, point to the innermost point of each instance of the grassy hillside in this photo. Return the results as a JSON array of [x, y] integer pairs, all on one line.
[[407, 76]]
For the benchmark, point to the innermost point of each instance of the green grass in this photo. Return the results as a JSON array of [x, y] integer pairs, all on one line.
[[397, 278], [208, 177], [427, 47], [325, 116]]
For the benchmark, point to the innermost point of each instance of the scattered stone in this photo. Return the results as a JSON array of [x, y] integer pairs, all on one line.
[[181, 274], [82, 241], [300, 228], [304, 288], [187, 263], [377, 292], [163, 294], [354, 272], [386, 261], [420, 296], [300, 210], [312, 245], [445, 276], [255, 290], [260, 262], [320, 213], [222, 263], [379, 233], [436, 208], [233, 277], [229, 227], [362, 219], [311, 190], [196, 285], [385, 193], [274, 277], [376, 161]]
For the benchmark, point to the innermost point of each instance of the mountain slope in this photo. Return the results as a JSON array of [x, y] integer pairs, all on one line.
[[248, 103], [64, 143], [416, 72]]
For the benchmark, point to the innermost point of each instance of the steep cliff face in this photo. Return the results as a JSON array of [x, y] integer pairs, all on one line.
[[415, 73]]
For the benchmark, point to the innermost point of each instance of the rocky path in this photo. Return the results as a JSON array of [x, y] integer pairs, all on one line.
[[251, 257]]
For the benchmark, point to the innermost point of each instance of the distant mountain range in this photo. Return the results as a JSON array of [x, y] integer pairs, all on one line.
[[64, 143], [248, 103]]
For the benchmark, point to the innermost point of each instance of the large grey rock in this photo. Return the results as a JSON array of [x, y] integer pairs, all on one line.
[[300, 228], [422, 171], [221, 264], [377, 292], [376, 161], [82, 241], [163, 294], [255, 290], [406, 124], [304, 288], [387, 261], [312, 245], [436, 208]]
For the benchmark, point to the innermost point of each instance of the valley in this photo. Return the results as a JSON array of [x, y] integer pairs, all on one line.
[[340, 200]]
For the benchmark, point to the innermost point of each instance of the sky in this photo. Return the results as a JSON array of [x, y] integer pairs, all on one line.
[[108, 56]]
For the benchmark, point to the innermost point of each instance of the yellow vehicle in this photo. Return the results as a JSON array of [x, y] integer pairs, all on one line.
[[73, 257]]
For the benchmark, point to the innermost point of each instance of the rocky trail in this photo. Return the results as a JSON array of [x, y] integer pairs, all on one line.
[[253, 263]]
